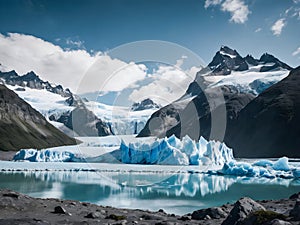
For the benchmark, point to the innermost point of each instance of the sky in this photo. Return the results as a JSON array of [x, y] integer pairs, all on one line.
[[62, 39]]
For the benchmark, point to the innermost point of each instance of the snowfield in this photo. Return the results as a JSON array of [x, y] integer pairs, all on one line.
[[122, 119], [249, 81]]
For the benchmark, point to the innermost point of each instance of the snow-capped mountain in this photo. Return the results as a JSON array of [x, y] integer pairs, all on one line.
[[230, 82], [31, 80], [269, 125], [21, 126], [145, 104], [60, 106], [56, 104], [247, 74]]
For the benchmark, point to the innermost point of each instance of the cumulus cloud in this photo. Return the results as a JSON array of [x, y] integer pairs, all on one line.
[[278, 26], [297, 52], [168, 84], [76, 69], [238, 9]]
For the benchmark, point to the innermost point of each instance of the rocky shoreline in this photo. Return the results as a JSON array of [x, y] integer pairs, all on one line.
[[16, 208]]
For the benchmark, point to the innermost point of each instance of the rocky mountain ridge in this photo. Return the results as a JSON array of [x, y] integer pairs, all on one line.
[[21, 126], [217, 111]]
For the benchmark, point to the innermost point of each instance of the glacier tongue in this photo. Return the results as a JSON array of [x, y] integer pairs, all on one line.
[[173, 151]]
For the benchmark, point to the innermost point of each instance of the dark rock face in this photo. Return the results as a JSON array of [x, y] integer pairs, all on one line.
[[59, 210], [242, 208], [84, 122], [23, 127], [269, 125], [295, 212], [194, 119], [145, 104], [161, 121], [249, 59], [213, 213], [267, 58], [227, 60], [265, 126]]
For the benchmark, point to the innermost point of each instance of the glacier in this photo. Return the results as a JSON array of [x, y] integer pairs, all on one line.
[[165, 151], [201, 156], [173, 151]]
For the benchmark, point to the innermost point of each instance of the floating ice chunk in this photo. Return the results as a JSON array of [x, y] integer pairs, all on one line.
[[262, 168], [263, 163], [296, 173], [239, 169], [46, 155], [282, 164]]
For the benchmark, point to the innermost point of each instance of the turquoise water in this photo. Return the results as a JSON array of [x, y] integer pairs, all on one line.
[[177, 193]]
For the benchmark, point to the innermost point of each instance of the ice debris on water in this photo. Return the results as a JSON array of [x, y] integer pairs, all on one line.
[[262, 168]]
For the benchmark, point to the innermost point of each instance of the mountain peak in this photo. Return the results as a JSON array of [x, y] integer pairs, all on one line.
[[227, 60], [30, 76], [225, 50], [145, 104], [268, 58]]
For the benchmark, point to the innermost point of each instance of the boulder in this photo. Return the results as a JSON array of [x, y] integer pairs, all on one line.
[[242, 208]]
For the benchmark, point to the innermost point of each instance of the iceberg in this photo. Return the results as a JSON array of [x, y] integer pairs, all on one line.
[[173, 151], [165, 151], [282, 164], [263, 168], [46, 155]]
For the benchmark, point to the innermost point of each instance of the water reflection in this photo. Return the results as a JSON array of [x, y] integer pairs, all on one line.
[[179, 193]]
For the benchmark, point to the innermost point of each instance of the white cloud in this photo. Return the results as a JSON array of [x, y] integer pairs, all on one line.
[[76, 69], [169, 83], [78, 43], [258, 30], [237, 8], [278, 26], [211, 3], [297, 52]]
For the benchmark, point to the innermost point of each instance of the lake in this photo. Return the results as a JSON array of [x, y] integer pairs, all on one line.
[[175, 189]]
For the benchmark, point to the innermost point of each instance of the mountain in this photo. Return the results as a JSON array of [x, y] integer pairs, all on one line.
[[32, 80], [145, 104], [269, 125], [21, 126], [56, 104], [248, 74], [84, 122], [217, 96]]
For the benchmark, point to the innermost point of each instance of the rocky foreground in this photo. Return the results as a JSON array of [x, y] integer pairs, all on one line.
[[16, 208]]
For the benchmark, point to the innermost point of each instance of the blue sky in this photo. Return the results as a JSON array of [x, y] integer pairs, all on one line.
[[90, 46], [102, 25]]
